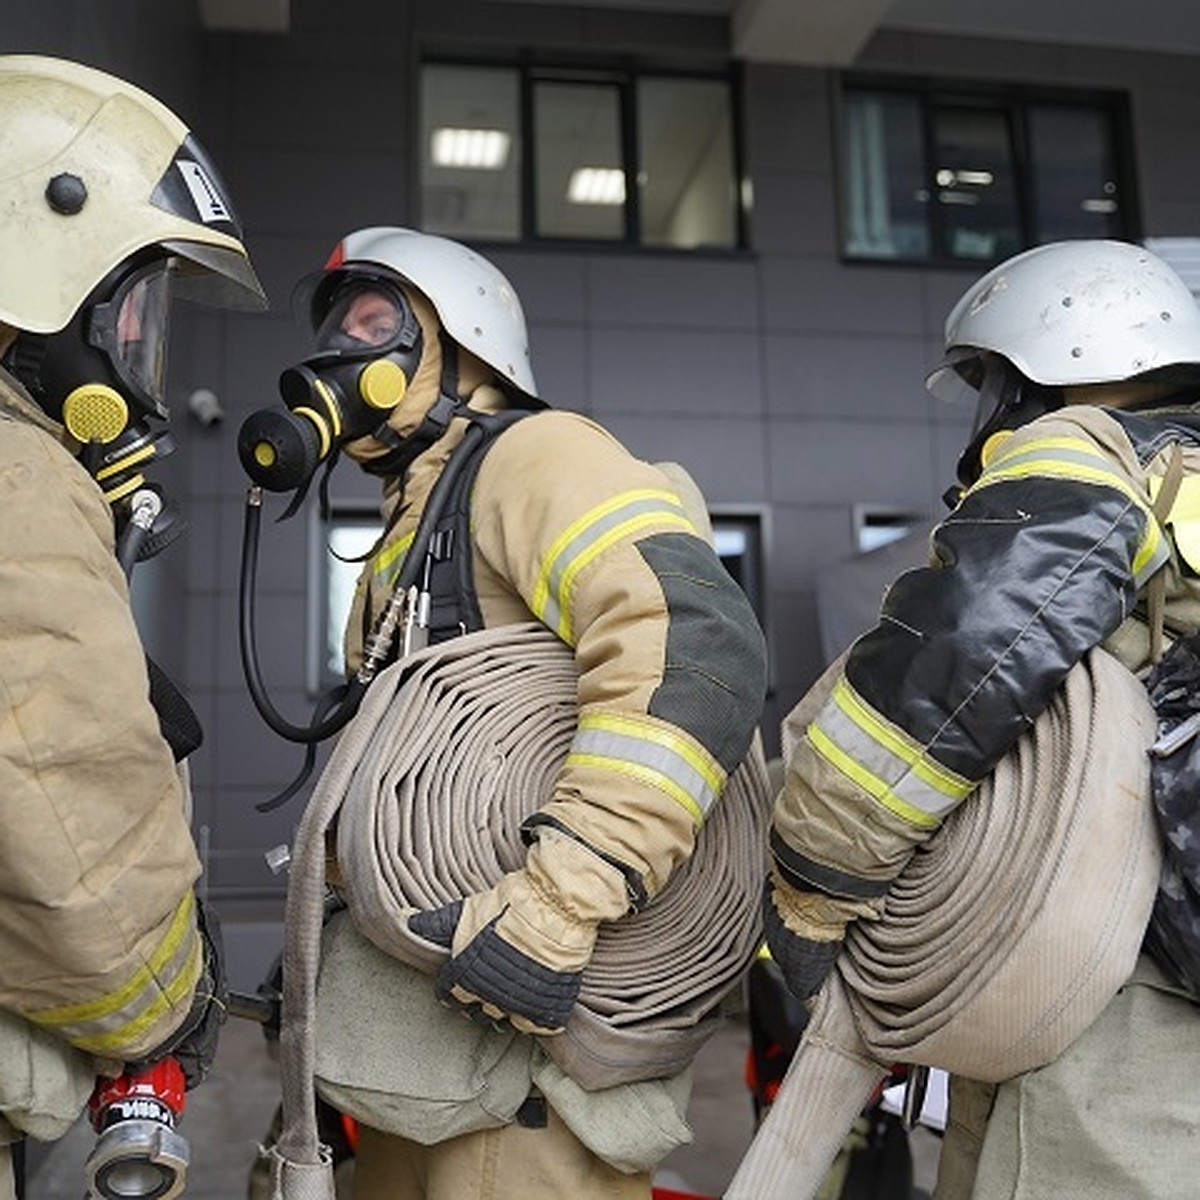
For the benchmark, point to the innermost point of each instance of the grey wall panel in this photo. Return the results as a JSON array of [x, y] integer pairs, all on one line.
[[788, 121], [322, 195], [725, 456], [295, 110], [956, 57], [671, 292], [794, 214], [805, 538], [560, 356], [664, 372], [850, 462], [820, 293], [848, 375]]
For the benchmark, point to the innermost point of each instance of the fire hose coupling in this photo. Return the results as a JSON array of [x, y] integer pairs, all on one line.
[[138, 1153]]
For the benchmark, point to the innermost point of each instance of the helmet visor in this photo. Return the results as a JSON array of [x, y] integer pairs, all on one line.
[[367, 316], [132, 330]]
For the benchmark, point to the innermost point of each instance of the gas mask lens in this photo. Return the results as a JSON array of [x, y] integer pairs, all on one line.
[[364, 317], [132, 330]]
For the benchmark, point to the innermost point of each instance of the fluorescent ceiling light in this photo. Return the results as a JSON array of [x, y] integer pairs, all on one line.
[[1099, 206], [596, 185], [481, 149], [948, 178]]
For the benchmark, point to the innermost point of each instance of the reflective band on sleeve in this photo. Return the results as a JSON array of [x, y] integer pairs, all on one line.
[[666, 760], [387, 564], [624, 516], [110, 1023], [1077, 459], [887, 764]]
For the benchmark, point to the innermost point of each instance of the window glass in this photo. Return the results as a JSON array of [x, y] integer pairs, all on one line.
[[686, 182], [977, 215], [885, 196], [1074, 173], [952, 174], [470, 152], [738, 541], [347, 538], [578, 166]]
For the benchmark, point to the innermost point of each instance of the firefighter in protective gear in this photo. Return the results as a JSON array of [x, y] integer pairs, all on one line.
[[416, 336], [1085, 358], [109, 203]]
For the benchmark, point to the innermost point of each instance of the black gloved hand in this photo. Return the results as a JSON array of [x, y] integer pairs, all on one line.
[[194, 1043], [519, 949], [803, 961]]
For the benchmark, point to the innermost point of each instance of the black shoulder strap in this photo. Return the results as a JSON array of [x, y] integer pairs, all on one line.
[[454, 603]]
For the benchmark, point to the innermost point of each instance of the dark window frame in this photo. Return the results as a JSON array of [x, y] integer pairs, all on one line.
[[531, 70], [1014, 100]]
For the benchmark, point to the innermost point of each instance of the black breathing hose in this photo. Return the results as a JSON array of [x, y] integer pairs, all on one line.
[[346, 706], [345, 699]]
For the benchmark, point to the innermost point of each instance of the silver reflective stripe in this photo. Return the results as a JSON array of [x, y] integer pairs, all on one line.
[[893, 768], [654, 754]]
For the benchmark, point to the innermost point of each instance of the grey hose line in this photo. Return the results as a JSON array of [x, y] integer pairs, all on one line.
[[1002, 940], [452, 749], [302, 1166]]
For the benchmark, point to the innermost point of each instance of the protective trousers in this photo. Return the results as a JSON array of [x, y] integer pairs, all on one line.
[[1112, 1118], [509, 1163]]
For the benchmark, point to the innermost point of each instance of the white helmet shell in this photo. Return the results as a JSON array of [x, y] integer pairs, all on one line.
[[1078, 312], [475, 303]]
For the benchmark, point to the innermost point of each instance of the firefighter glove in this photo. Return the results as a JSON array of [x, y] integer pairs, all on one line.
[[518, 950], [805, 931]]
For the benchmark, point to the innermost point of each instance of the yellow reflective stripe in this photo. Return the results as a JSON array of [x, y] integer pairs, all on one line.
[[681, 765], [387, 563], [116, 1018], [953, 787], [620, 517], [165, 999], [1075, 458], [871, 784]]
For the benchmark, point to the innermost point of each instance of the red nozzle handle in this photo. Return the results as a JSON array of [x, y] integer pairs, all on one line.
[[139, 1094]]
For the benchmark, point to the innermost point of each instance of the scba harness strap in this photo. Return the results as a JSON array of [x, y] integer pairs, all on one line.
[[448, 572]]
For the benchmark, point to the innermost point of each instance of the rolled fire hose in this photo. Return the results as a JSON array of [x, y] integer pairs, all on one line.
[[452, 749], [1003, 938]]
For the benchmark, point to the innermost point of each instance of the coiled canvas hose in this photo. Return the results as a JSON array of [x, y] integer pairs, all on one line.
[[1003, 938], [452, 749]]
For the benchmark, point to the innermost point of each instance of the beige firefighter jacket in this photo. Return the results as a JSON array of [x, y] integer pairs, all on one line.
[[567, 527], [1047, 555], [98, 937]]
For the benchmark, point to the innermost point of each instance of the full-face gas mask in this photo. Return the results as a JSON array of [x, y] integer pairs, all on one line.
[[104, 374], [369, 344]]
